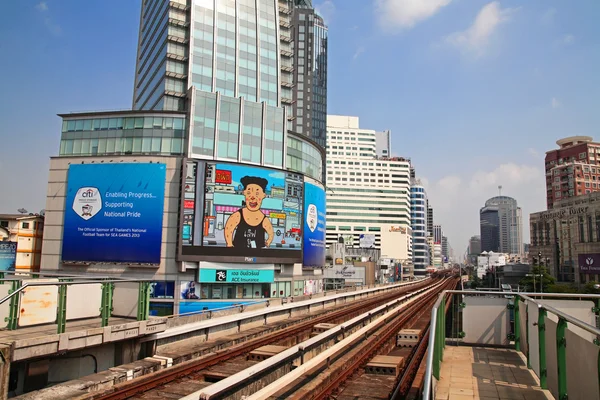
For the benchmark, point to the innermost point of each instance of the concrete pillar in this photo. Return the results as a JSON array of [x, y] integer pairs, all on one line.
[[127, 351]]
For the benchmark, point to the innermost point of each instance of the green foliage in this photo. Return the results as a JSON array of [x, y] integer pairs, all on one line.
[[589, 288], [562, 288], [547, 280], [475, 282]]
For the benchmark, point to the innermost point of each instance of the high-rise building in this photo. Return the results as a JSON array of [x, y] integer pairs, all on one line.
[[445, 247], [429, 218], [437, 234], [366, 195], [501, 224], [573, 169], [383, 143], [418, 205], [305, 95], [475, 245], [211, 118]]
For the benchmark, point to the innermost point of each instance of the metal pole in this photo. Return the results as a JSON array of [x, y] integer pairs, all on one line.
[[561, 354]]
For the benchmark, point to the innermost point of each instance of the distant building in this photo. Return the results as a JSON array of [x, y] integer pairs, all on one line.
[[366, 195], [475, 245], [572, 169], [383, 143], [429, 218], [437, 234], [445, 248], [418, 201], [501, 224], [27, 232]]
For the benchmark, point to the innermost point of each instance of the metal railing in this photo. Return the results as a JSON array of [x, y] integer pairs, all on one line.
[[519, 335], [62, 282]]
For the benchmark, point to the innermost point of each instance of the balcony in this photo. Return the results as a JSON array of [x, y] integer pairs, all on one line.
[[286, 53]]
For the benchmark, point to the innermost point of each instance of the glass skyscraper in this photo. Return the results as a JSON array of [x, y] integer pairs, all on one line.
[[418, 213]]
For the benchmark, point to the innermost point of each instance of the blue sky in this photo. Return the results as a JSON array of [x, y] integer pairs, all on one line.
[[474, 91]]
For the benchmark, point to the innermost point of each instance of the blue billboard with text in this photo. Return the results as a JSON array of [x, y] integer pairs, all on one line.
[[8, 256], [114, 213], [314, 224]]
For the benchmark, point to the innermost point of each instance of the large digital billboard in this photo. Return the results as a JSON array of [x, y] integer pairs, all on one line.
[[8, 256], [114, 213], [240, 213], [314, 224]]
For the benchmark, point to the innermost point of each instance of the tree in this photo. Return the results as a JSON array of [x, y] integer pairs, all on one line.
[[547, 280], [475, 282]]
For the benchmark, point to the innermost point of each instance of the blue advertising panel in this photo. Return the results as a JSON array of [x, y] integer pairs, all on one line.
[[8, 256], [114, 213], [314, 224], [241, 213], [237, 275]]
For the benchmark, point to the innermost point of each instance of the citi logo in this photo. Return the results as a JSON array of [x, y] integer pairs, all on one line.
[[88, 193]]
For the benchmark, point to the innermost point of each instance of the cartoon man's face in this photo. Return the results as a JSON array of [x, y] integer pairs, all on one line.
[[254, 195]]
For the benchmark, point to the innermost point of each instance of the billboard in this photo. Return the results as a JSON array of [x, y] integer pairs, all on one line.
[[314, 224], [240, 213], [589, 263], [114, 213], [237, 275], [8, 256]]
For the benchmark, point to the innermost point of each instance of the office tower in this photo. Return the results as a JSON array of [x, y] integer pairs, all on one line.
[[475, 245], [501, 225], [418, 205], [429, 218], [366, 195], [572, 169], [383, 143], [445, 247], [437, 234]]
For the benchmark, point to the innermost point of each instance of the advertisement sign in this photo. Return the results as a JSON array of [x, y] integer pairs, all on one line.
[[241, 213], [589, 263], [314, 224], [367, 241], [8, 256], [114, 213], [236, 275]]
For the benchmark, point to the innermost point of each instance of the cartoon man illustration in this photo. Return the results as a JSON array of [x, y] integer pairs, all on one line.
[[246, 227]]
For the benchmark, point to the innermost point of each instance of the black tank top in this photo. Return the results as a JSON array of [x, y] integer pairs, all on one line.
[[248, 236]]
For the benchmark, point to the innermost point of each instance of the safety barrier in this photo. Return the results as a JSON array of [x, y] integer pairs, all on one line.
[[539, 328], [30, 299]]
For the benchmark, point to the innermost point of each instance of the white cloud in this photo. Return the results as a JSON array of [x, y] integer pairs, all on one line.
[[476, 38], [405, 14], [326, 9], [42, 6], [548, 16], [358, 52], [52, 26], [555, 103], [456, 202], [567, 39]]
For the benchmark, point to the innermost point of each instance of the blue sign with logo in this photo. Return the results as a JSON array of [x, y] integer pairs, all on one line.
[[314, 224], [237, 275], [8, 256], [114, 213]]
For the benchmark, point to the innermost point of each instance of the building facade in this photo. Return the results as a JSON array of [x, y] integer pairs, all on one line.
[[437, 234], [429, 219], [418, 204], [366, 195], [21, 238], [164, 191], [568, 239], [383, 143], [572, 169], [501, 224], [475, 245]]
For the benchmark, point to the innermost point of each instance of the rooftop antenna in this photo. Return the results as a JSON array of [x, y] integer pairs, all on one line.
[[499, 190]]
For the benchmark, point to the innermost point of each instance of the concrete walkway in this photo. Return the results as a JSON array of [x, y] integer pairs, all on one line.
[[487, 374]]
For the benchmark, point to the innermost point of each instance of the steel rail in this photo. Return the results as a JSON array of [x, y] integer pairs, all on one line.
[[381, 340], [324, 359], [159, 378]]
